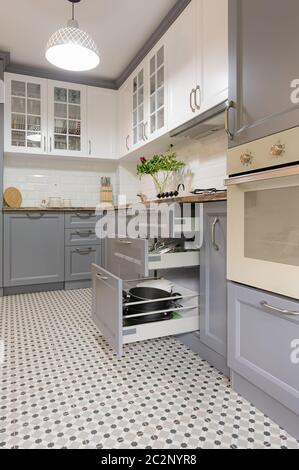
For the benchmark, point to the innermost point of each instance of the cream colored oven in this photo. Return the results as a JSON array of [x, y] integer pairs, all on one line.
[[263, 214]]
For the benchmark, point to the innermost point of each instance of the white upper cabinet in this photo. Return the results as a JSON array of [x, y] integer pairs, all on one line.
[[25, 114], [197, 60], [102, 123], [214, 53], [125, 118], [182, 67], [156, 123], [66, 119]]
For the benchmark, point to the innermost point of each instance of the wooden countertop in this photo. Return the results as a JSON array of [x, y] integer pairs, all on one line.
[[189, 198], [49, 209]]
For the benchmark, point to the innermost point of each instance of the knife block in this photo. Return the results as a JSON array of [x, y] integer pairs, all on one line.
[[106, 194]]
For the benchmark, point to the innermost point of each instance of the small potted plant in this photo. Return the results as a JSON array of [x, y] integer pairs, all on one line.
[[160, 168]]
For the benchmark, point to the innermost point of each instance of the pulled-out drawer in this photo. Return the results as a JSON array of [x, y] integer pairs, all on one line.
[[107, 312], [78, 261], [129, 258], [79, 219], [81, 236]]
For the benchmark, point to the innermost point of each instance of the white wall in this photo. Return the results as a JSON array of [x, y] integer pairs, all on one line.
[[205, 158], [40, 178]]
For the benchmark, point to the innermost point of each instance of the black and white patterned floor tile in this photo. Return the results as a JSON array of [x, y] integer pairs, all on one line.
[[62, 386]]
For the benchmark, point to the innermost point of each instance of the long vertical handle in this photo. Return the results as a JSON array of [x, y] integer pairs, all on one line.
[[89, 145], [231, 105], [50, 144], [198, 92], [45, 144], [192, 99], [213, 234], [127, 145]]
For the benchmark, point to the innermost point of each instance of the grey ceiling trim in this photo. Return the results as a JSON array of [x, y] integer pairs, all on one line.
[[61, 75], [165, 24], [5, 57]]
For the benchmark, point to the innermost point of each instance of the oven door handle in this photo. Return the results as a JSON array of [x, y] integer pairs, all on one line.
[[265, 304], [263, 175]]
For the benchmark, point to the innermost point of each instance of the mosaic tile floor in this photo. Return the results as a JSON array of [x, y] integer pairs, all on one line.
[[62, 386]]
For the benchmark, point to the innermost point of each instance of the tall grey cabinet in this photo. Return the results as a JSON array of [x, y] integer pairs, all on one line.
[[210, 342], [263, 41], [1, 179]]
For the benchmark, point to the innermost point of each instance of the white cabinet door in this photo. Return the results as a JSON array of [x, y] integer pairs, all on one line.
[[66, 119], [102, 123], [182, 66], [125, 118], [156, 123], [214, 39], [25, 114], [139, 106]]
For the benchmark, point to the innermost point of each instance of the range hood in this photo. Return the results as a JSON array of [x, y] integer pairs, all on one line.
[[201, 126]]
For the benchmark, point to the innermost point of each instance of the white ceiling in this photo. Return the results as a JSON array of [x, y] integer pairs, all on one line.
[[119, 27]]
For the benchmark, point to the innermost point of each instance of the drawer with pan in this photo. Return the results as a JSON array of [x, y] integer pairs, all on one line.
[[133, 258], [123, 315]]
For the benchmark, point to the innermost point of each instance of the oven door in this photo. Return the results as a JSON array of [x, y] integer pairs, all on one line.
[[263, 230]]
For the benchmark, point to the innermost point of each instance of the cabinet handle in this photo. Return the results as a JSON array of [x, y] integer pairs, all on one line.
[[231, 105], [89, 147], [198, 105], [265, 304], [145, 137], [192, 99], [37, 215], [102, 278], [85, 234], [213, 234], [50, 144], [45, 144], [127, 145], [84, 252], [125, 242], [84, 216]]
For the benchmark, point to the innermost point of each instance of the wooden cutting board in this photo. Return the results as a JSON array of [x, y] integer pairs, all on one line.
[[12, 197]]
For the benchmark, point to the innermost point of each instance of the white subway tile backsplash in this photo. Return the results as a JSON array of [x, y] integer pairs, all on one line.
[[41, 178]]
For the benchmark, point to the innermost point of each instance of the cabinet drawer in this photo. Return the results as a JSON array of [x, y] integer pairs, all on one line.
[[78, 261], [82, 219], [263, 337], [127, 257], [78, 237], [107, 312], [173, 260]]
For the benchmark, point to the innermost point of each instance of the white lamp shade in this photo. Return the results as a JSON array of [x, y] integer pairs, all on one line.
[[72, 49]]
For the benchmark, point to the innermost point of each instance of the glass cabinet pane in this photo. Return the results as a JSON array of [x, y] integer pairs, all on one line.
[[18, 121], [34, 123], [138, 107], [18, 105], [157, 91], [60, 94], [74, 112], [60, 142], [18, 139], [18, 88], [33, 107], [33, 91], [60, 110], [74, 127], [74, 96], [160, 77], [60, 126], [160, 57], [74, 143]]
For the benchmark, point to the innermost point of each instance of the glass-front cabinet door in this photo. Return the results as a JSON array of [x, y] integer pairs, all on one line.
[[25, 114], [139, 106], [157, 92], [67, 119]]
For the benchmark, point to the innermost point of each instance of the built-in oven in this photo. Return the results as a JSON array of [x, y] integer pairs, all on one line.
[[263, 214]]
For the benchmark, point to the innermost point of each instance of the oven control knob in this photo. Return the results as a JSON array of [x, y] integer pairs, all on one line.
[[277, 149], [246, 158]]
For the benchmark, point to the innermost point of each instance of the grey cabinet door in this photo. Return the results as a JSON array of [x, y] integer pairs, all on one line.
[[263, 342], [107, 306], [263, 41], [78, 261], [33, 248], [77, 237], [1, 251], [213, 286]]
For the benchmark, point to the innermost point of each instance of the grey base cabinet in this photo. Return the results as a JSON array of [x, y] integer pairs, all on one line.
[[211, 341], [78, 261], [33, 248], [263, 344]]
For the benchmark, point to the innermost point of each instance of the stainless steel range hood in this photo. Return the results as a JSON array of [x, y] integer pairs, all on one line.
[[201, 126]]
